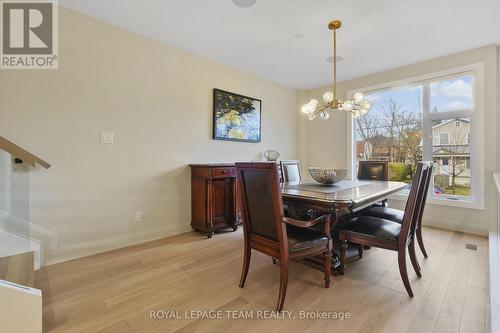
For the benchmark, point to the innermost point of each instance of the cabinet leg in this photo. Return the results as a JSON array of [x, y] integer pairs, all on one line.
[[235, 227], [210, 234]]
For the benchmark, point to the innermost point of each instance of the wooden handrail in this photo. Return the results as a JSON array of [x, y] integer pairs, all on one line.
[[21, 153]]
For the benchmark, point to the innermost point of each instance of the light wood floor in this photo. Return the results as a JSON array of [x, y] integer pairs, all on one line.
[[114, 291]]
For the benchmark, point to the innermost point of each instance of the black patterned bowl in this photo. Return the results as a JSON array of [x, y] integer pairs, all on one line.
[[327, 176]]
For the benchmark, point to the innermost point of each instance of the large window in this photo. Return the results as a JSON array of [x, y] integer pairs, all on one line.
[[427, 119]]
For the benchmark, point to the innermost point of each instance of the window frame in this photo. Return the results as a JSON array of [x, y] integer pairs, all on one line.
[[476, 115]]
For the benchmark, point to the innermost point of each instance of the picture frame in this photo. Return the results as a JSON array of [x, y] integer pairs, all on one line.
[[236, 117]]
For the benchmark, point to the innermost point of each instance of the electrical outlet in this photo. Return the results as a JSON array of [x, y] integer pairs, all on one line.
[[138, 216], [107, 138]]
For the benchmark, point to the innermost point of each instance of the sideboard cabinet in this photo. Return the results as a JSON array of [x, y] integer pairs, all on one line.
[[214, 203]]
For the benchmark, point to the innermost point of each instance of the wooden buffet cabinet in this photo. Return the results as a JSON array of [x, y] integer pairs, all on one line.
[[214, 203]]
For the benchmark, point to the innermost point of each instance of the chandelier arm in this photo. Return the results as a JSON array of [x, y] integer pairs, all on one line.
[[320, 109]]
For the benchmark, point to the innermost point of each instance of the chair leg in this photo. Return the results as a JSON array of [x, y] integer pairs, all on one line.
[[343, 248], [246, 264], [283, 283], [327, 263], [421, 241], [403, 272], [360, 251], [413, 257]]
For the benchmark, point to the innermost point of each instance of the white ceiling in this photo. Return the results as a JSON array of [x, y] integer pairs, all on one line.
[[376, 35]]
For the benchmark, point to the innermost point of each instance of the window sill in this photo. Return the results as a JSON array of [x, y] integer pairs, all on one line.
[[461, 203]]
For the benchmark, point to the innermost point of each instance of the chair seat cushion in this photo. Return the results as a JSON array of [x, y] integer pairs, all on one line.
[[390, 214], [369, 226], [300, 239]]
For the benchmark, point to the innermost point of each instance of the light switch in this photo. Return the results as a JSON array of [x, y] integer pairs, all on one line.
[[107, 138]]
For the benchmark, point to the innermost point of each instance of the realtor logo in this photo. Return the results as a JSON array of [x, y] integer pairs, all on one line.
[[29, 35]]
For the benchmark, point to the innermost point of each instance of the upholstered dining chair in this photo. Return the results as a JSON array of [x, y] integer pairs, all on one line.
[[290, 170], [390, 235], [397, 215], [266, 229], [374, 170]]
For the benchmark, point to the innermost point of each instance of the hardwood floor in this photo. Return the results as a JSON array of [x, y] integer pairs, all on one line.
[[115, 291]]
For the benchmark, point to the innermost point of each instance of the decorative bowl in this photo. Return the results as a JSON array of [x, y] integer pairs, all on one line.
[[271, 155], [327, 176]]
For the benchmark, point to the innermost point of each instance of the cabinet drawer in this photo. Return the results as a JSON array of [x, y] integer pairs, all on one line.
[[223, 172]]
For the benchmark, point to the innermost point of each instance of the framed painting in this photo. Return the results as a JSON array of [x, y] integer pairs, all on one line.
[[236, 117]]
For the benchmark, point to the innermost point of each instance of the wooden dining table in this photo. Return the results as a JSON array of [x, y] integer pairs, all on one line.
[[344, 197]]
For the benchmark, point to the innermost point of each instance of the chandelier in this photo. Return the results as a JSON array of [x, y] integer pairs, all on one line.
[[357, 105]]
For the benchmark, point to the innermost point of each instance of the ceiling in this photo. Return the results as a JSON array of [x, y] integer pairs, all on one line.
[[376, 34]]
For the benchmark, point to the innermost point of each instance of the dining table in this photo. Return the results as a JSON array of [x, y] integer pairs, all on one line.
[[336, 201]]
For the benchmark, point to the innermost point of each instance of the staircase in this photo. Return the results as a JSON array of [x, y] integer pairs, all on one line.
[[20, 252]]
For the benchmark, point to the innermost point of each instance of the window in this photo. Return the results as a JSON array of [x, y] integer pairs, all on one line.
[[444, 138], [426, 119]]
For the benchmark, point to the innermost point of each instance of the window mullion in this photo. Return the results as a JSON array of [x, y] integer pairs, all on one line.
[[426, 123]]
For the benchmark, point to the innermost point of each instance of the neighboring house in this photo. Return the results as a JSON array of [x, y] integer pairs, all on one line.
[[380, 149], [451, 151]]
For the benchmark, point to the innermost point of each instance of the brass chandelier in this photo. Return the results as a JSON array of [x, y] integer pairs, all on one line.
[[357, 105]]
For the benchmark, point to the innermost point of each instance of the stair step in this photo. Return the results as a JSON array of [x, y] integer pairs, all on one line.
[[18, 268]]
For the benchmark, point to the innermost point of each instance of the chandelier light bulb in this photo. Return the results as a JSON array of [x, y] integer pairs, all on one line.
[[328, 97], [310, 107], [324, 115], [348, 105], [305, 108], [365, 105], [356, 113], [358, 97], [311, 116]]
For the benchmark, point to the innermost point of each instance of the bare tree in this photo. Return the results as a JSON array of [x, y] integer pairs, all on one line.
[[367, 126], [393, 110], [458, 157], [409, 127]]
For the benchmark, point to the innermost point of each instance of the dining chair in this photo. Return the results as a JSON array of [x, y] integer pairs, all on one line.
[[374, 170], [290, 170], [390, 235], [396, 215], [266, 229]]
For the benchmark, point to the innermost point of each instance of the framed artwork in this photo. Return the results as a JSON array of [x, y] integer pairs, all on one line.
[[236, 117]]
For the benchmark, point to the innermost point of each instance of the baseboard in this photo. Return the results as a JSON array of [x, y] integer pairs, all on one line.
[[36, 232], [455, 227], [86, 249], [44, 239]]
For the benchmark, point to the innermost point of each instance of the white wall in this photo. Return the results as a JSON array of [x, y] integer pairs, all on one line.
[[324, 142], [158, 102], [498, 108]]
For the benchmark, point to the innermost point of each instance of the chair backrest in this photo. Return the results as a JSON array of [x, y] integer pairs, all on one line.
[[415, 202], [261, 201], [373, 170], [424, 199], [291, 170]]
